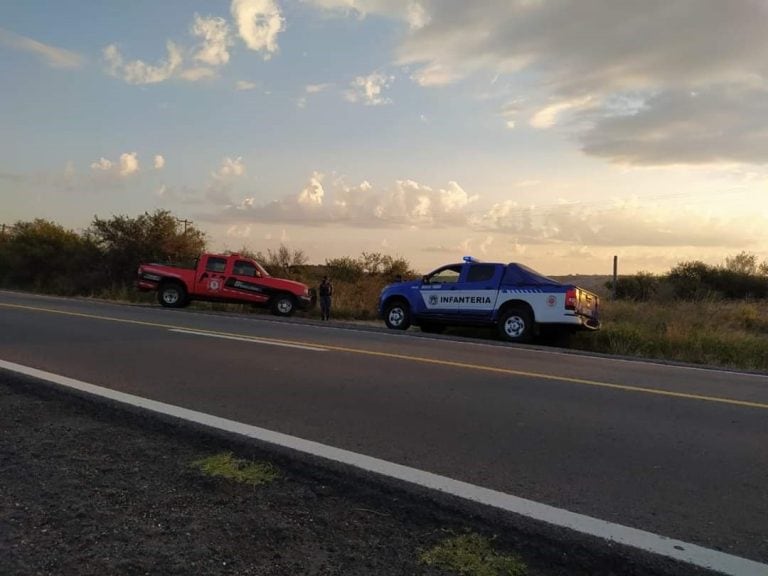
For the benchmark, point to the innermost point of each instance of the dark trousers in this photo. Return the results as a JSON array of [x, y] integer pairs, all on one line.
[[325, 307]]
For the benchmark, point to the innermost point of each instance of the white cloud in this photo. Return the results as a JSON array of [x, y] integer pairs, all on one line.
[[547, 116], [259, 22], [623, 223], [216, 40], [211, 51], [138, 71], [317, 88], [51, 55], [313, 193], [103, 165], [198, 73], [369, 89], [245, 85], [406, 203], [413, 12], [129, 163], [435, 75], [229, 168], [159, 162]]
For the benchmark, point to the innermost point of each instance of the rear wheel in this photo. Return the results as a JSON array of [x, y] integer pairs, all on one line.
[[516, 325], [283, 305], [397, 315], [172, 295]]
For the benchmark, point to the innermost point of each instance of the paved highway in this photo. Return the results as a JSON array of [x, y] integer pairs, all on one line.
[[678, 451]]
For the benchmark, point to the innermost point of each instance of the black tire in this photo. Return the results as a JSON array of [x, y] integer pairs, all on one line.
[[283, 305], [397, 315], [429, 328], [516, 325], [172, 295]]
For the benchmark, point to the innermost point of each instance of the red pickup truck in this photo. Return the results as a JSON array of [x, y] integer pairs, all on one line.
[[224, 278]]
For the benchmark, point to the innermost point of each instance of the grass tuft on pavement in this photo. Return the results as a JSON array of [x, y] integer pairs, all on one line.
[[472, 555], [227, 466]]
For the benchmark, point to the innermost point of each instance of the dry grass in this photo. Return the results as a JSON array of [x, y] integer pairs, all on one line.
[[357, 301], [716, 332]]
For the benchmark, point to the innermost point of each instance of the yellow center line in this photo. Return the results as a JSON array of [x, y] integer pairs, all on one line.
[[420, 359]]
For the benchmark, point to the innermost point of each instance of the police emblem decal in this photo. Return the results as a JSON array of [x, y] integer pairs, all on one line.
[[432, 299]]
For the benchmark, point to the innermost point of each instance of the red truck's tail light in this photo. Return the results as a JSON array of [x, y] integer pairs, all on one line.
[[570, 299]]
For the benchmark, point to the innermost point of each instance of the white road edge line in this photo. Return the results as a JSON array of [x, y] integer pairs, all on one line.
[[254, 339], [633, 537]]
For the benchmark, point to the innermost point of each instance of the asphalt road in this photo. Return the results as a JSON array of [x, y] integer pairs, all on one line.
[[678, 451]]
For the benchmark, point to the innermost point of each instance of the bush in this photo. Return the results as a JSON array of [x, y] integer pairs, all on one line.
[[127, 242], [43, 256], [345, 269], [740, 278], [641, 287]]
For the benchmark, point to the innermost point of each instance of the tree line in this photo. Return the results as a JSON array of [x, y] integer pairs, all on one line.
[[43, 256], [739, 277]]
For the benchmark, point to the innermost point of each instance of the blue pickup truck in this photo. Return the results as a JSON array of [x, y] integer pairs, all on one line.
[[516, 300]]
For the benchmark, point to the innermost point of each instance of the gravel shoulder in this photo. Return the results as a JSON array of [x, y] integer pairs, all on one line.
[[88, 488]]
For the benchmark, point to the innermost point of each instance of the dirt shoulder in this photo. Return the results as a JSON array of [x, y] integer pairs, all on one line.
[[88, 488]]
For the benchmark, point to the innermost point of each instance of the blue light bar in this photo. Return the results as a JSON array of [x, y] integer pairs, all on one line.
[[470, 259]]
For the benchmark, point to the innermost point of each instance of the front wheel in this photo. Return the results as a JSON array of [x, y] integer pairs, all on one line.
[[283, 305], [172, 295], [397, 316], [516, 325]]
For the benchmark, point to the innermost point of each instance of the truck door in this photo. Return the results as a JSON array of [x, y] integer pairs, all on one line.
[[210, 280], [437, 291], [478, 290], [243, 283]]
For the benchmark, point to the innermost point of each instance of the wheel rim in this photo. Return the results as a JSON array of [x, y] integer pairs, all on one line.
[[170, 296], [514, 326], [396, 316], [284, 305]]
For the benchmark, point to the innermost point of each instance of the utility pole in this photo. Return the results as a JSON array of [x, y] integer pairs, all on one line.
[[615, 274], [185, 222]]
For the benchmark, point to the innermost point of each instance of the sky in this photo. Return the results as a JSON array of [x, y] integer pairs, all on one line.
[[557, 133]]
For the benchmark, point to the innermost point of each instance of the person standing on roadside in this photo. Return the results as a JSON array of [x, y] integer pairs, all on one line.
[[325, 292]]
